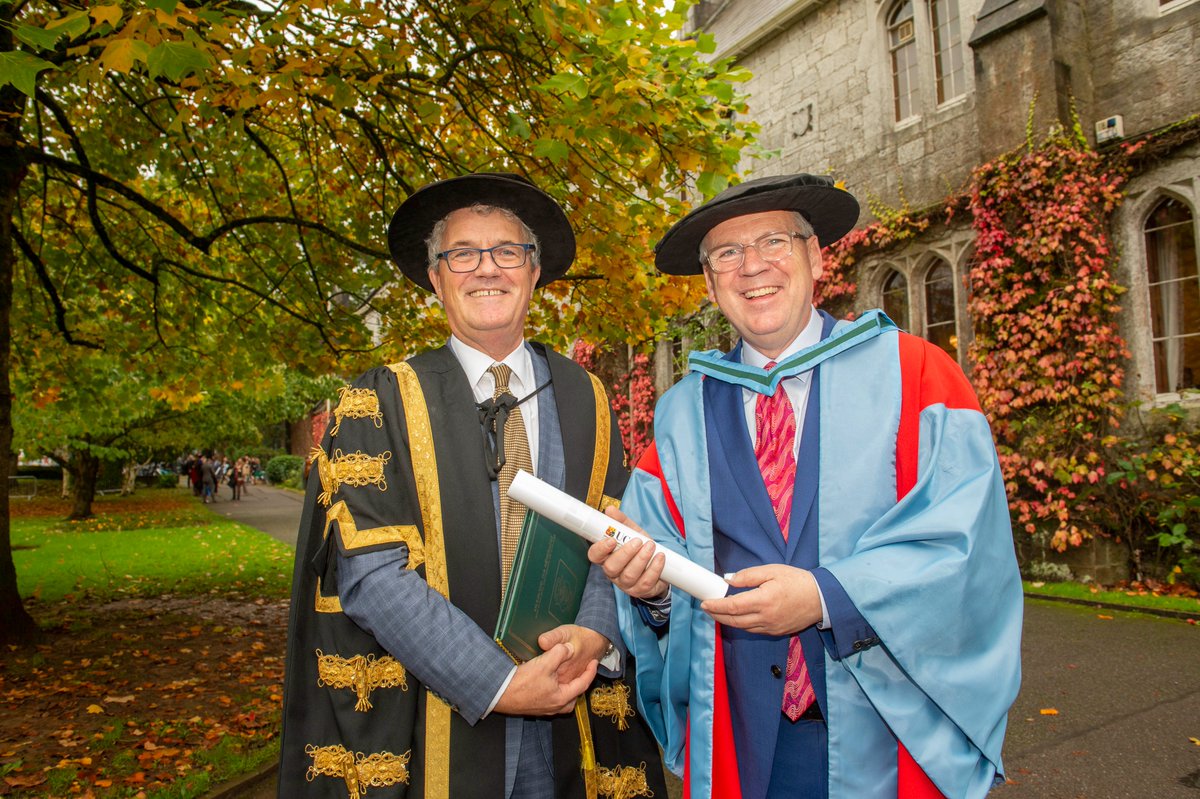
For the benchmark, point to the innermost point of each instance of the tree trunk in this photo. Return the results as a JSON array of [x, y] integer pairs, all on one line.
[[85, 468], [18, 626], [664, 366]]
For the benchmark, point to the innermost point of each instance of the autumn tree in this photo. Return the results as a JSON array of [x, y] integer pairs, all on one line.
[[167, 166]]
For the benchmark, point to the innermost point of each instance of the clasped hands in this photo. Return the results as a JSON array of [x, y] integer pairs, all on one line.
[[782, 599], [549, 684]]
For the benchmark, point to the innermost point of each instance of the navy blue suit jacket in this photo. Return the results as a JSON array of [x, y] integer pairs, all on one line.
[[747, 534]]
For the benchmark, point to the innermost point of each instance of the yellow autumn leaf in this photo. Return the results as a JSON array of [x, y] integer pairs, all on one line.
[[94, 709], [109, 14], [1049, 711], [1196, 741], [1102, 616], [120, 54]]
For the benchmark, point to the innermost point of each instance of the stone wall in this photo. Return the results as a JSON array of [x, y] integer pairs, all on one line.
[[822, 93], [1145, 62], [822, 86]]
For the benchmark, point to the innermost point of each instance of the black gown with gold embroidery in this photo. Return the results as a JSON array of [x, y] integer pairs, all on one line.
[[403, 463]]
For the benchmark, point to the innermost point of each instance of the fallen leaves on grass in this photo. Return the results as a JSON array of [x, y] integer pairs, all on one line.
[[153, 502], [117, 705], [1150, 587]]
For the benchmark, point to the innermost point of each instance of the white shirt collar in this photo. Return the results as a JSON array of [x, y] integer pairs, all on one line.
[[476, 365], [810, 335]]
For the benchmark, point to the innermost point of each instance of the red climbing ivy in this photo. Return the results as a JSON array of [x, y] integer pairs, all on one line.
[[836, 290], [631, 392], [1047, 359], [1047, 355]]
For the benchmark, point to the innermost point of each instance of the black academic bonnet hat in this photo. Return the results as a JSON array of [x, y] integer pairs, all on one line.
[[831, 211], [414, 220]]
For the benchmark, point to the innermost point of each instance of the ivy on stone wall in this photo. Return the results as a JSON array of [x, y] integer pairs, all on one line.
[[1047, 359], [837, 288], [1047, 355]]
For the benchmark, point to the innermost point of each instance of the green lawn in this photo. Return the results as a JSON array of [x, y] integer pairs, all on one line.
[[169, 546]]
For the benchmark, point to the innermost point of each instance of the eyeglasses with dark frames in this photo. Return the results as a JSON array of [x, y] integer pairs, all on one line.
[[468, 259]]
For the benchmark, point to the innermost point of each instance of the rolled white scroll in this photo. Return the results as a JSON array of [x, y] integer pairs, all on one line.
[[589, 523]]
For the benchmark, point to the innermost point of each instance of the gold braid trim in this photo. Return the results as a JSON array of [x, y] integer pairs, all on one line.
[[356, 403], [362, 673], [587, 751], [624, 782], [607, 501], [355, 469], [353, 538], [613, 702], [603, 435], [326, 604], [429, 496], [360, 771]]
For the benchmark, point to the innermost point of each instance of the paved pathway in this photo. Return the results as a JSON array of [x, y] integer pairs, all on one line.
[[275, 511], [1126, 690]]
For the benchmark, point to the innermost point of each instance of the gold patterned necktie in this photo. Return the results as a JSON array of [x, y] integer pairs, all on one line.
[[516, 456]]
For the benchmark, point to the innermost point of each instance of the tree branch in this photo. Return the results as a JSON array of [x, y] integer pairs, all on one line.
[[60, 312]]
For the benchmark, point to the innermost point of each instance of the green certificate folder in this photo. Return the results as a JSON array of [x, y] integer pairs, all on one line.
[[549, 571]]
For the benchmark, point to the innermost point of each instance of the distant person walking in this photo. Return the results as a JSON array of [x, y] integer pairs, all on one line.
[[208, 476], [245, 472], [195, 473], [235, 479]]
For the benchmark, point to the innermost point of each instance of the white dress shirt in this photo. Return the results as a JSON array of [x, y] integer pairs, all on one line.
[[796, 387], [797, 390], [521, 383]]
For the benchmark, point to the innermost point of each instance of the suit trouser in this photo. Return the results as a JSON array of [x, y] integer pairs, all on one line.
[[800, 769], [534, 777]]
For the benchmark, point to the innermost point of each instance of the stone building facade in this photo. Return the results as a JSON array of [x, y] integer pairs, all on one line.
[[903, 99]]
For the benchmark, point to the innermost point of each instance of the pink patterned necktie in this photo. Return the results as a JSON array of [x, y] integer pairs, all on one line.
[[775, 435]]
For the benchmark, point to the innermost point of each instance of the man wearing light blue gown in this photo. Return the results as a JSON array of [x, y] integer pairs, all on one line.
[[879, 584]]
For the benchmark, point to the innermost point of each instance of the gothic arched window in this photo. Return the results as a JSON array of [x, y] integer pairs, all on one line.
[[940, 325], [928, 56], [895, 298], [902, 42], [1174, 296]]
